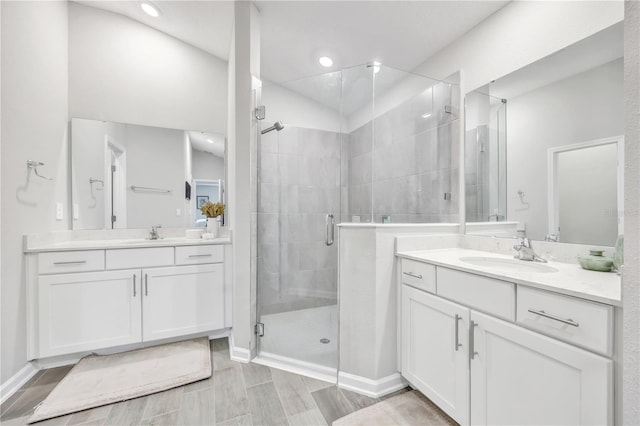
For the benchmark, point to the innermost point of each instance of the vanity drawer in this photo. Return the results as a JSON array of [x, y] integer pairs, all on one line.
[[485, 294], [581, 322], [191, 255], [139, 258], [63, 262], [419, 274]]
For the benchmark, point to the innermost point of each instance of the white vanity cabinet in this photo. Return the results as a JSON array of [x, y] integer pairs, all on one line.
[[182, 300], [88, 310], [434, 350], [130, 296], [521, 377], [473, 358]]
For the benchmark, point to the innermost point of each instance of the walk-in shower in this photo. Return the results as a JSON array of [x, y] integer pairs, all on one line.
[[360, 144]]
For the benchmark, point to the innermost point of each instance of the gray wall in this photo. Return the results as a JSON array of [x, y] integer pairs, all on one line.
[[155, 158], [631, 276], [205, 165], [402, 163], [299, 183], [585, 107], [34, 127]]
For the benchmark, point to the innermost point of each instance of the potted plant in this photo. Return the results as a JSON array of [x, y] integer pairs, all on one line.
[[212, 211]]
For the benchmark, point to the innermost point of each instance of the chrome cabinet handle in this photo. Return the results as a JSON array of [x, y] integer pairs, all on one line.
[[134, 285], [330, 224], [472, 344], [146, 284], [456, 341], [567, 321], [200, 255], [411, 274], [71, 262]]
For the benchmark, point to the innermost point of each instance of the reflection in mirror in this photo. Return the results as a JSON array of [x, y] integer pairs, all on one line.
[[132, 176], [553, 107], [584, 191]]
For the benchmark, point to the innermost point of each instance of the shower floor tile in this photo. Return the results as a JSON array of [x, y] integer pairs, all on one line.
[[299, 334]]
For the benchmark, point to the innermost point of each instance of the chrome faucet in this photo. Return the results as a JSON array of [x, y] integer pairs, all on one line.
[[525, 251], [153, 235]]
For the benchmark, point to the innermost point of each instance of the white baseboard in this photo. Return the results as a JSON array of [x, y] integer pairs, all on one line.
[[369, 387], [236, 353], [16, 381]]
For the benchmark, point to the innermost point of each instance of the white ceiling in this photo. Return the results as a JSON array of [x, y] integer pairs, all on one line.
[[400, 34], [213, 143]]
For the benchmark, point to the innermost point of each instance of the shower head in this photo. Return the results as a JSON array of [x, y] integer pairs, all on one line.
[[276, 126]]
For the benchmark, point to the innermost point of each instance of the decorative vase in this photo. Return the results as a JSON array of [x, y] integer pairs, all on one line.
[[595, 261], [213, 226], [618, 256]]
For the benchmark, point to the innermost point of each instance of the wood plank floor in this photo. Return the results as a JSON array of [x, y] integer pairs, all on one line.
[[236, 394]]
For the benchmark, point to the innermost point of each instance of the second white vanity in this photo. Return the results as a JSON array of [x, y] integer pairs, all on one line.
[[85, 295], [494, 340]]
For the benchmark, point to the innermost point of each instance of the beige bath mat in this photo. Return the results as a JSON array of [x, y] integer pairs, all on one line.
[[407, 409], [102, 380]]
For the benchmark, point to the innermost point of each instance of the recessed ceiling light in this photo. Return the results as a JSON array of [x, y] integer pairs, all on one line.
[[427, 115], [150, 9], [325, 61], [209, 140], [376, 67]]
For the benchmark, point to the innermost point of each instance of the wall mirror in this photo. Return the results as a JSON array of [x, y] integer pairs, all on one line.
[[543, 145], [132, 176]]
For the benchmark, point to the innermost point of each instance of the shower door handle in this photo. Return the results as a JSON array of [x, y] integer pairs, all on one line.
[[330, 224]]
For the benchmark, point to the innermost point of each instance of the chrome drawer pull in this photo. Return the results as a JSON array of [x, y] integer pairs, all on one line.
[[71, 262], [456, 340], [472, 340], [146, 285], [555, 318], [134, 285], [411, 274], [200, 255]]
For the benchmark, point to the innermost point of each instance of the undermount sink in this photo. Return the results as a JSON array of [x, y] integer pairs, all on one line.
[[508, 265]]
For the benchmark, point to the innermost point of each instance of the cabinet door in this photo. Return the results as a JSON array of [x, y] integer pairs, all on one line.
[[182, 300], [434, 350], [87, 311], [524, 378]]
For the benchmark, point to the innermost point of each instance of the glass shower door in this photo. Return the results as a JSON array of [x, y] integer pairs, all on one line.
[[299, 202]]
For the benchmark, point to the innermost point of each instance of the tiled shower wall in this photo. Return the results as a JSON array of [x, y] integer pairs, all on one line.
[[299, 176], [404, 163]]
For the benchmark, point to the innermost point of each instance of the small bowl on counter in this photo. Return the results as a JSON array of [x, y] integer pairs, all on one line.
[[596, 261]]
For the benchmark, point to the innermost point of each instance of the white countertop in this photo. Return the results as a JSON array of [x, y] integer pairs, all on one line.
[[570, 279], [122, 244]]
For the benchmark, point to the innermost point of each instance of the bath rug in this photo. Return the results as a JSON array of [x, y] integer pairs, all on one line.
[[101, 380], [407, 409]]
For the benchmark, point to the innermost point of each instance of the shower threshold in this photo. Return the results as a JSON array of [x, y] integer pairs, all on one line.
[[292, 365]]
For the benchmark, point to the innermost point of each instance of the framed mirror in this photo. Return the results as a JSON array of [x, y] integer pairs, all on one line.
[[543, 146], [133, 176]]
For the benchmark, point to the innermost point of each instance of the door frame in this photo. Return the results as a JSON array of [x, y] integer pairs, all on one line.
[[553, 203]]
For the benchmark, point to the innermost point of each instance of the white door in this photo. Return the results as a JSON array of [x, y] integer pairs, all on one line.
[[182, 300], [87, 311], [434, 350], [519, 377]]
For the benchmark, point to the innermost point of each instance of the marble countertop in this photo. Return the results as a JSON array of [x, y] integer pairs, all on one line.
[[570, 279], [122, 244]]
